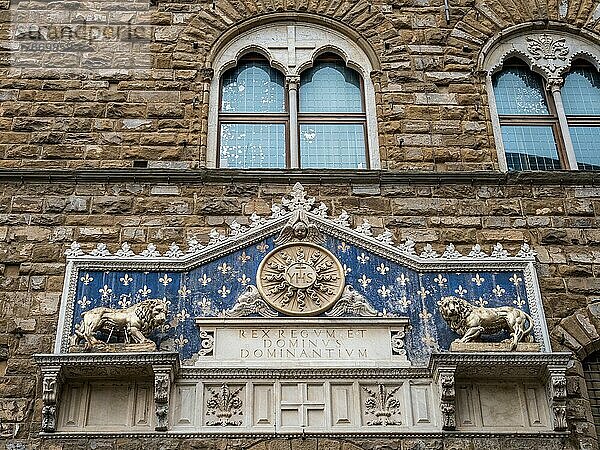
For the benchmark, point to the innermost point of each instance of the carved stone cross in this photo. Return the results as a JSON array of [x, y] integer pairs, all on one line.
[[293, 45]]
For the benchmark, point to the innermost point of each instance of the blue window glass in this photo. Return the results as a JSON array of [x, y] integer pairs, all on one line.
[[519, 91], [330, 86], [252, 87], [581, 92], [586, 141], [530, 147], [247, 145], [336, 146]]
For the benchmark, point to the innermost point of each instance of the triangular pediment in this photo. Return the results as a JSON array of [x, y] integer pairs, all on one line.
[[208, 278]]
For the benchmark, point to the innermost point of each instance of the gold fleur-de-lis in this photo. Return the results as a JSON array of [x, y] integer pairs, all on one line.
[[224, 268], [498, 291], [145, 291], [165, 280], [402, 279], [477, 279], [423, 292], [383, 291], [347, 269], [184, 291], [362, 258], [441, 280], [126, 279], [343, 247], [382, 269], [84, 302], [461, 291], [223, 291], [364, 281], [105, 291], [244, 280], [425, 315], [244, 258], [404, 302], [87, 279], [204, 279], [262, 247]]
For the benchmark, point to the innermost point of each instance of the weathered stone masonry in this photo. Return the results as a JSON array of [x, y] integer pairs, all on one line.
[[150, 105]]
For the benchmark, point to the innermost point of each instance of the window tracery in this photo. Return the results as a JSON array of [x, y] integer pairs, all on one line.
[[292, 94], [544, 89]]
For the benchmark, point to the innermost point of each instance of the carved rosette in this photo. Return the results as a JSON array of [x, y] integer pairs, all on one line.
[[50, 391], [300, 279]]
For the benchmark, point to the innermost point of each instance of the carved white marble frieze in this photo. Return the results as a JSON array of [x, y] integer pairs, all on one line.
[[549, 52]]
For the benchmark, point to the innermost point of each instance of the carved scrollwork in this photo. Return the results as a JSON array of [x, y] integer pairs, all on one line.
[[50, 390], [248, 303], [448, 400], [162, 389], [207, 343], [558, 394], [352, 303], [548, 48]]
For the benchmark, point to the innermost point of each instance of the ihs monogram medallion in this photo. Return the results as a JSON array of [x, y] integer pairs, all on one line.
[[300, 279]]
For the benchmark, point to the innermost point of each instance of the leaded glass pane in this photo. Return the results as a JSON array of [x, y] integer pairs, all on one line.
[[586, 141], [336, 146], [330, 87], [530, 148], [252, 87], [246, 145], [519, 91], [581, 92]]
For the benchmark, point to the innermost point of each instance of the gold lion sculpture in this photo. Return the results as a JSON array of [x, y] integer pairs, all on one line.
[[134, 322], [471, 321]]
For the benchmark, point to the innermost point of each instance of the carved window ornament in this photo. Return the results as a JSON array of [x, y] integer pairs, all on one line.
[[549, 54], [291, 48]]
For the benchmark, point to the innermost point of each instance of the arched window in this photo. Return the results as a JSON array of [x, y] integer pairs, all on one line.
[[581, 100], [293, 95], [252, 116], [544, 99], [332, 120], [529, 127], [591, 372]]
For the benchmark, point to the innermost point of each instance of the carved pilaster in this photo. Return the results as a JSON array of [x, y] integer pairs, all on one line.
[[163, 375], [50, 390], [557, 392], [447, 391]]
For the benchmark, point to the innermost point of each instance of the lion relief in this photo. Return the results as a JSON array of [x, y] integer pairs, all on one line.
[[471, 321], [134, 323]]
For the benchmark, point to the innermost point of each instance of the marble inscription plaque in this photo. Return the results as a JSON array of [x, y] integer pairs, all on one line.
[[303, 342]]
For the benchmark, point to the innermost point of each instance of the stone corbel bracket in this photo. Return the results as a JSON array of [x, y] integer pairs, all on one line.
[[58, 368], [548, 368]]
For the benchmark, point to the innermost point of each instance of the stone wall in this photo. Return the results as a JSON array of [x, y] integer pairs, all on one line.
[[557, 216], [140, 93]]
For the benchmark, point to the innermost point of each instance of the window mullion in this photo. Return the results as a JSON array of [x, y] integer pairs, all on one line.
[[554, 87], [293, 82]]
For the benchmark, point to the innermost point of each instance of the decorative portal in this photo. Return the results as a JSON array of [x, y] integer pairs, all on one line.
[[300, 279]]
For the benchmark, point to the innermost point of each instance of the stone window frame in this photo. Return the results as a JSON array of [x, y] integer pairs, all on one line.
[[551, 62], [275, 38]]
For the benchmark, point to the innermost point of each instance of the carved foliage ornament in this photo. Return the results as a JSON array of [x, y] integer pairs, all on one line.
[[300, 279], [383, 405], [224, 402], [549, 48]]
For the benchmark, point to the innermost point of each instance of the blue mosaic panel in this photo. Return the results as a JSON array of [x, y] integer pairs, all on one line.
[[388, 286]]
